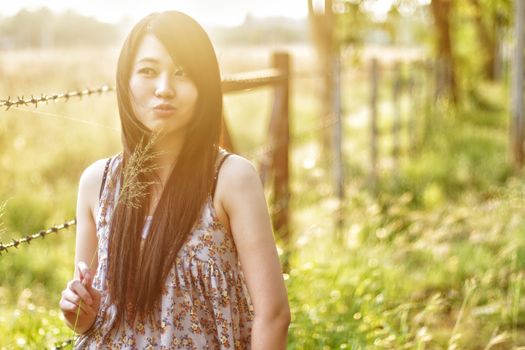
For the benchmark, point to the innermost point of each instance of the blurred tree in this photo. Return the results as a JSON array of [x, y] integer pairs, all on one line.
[[29, 29], [517, 112], [332, 30], [445, 64], [492, 19], [322, 27]]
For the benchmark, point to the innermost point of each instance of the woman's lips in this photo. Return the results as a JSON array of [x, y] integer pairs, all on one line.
[[164, 110]]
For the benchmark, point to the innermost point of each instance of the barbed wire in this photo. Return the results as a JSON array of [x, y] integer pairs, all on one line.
[[229, 82], [40, 234], [21, 101], [254, 154], [260, 77]]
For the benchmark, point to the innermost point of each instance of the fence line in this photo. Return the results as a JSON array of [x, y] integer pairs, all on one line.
[[255, 154], [21, 101], [273, 77], [410, 79], [250, 80], [232, 83], [40, 234]]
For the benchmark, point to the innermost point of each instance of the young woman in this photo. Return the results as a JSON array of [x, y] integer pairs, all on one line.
[[174, 246]]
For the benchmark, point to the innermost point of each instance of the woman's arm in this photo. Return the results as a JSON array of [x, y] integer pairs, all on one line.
[[242, 198], [79, 292]]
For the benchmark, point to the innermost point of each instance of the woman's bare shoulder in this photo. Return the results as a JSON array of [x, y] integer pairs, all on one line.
[[89, 187], [92, 174], [91, 180], [237, 173]]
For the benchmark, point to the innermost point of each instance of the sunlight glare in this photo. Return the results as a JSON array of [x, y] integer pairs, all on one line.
[[378, 8], [226, 12]]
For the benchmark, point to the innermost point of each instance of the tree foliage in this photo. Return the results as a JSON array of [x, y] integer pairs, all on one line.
[[467, 37]]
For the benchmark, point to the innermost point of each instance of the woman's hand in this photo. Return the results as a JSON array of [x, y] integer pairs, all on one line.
[[81, 300]]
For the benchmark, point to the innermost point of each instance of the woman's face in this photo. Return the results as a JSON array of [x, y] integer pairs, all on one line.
[[162, 96]]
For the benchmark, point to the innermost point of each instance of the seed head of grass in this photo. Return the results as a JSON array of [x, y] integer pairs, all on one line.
[[140, 162]]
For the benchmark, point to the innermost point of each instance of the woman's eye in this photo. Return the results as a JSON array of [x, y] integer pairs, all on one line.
[[147, 71], [180, 72]]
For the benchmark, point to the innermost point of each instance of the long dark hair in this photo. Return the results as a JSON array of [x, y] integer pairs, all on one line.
[[135, 279]]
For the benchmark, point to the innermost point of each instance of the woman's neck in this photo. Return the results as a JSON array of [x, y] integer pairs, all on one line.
[[168, 148]]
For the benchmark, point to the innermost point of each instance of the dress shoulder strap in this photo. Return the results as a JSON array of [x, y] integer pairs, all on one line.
[[104, 177], [222, 155]]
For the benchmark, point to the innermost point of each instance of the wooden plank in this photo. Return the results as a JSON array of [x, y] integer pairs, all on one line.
[[517, 113], [281, 151], [374, 78], [225, 138], [338, 128], [251, 80], [266, 159], [396, 122]]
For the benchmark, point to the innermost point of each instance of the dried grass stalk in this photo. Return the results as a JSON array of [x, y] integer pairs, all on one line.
[[140, 162]]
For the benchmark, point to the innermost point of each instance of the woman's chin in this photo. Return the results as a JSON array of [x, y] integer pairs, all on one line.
[[165, 131]]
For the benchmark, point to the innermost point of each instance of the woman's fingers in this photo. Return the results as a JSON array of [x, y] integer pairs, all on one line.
[[70, 307], [86, 278], [80, 298], [83, 272], [81, 290], [80, 302], [71, 297]]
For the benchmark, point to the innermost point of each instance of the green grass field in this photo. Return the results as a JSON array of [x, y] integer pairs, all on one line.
[[434, 258]]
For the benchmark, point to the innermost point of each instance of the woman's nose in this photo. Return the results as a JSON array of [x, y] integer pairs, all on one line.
[[164, 88]]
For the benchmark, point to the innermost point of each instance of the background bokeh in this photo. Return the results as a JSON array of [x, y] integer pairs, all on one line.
[[425, 250]]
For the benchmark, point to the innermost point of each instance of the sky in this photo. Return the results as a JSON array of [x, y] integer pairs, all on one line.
[[211, 12]]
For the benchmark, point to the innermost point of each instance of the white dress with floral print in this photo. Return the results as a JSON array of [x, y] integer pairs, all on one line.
[[205, 302]]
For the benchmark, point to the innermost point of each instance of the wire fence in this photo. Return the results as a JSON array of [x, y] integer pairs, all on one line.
[[238, 82], [4, 247], [231, 83], [255, 154], [21, 101]]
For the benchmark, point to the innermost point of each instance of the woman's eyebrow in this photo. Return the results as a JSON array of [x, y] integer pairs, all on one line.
[[147, 59]]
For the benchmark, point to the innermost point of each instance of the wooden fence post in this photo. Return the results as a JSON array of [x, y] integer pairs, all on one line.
[[281, 61], [225, 139], [429, 103], [517, 113], [415, 107], [337, 151], [396, 122], [322, 26], [373, 121]]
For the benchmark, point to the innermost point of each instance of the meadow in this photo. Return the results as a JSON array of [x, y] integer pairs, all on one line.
[[434, 258]]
